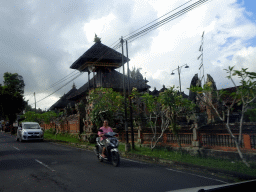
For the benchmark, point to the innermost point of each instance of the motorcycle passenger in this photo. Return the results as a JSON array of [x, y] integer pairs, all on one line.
[[105, 129]]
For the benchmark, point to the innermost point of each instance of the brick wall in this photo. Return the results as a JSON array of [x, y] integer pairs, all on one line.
[[68, 124], [209, 137]]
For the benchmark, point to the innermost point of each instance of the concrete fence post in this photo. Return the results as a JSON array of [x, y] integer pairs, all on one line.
[[196, 140]]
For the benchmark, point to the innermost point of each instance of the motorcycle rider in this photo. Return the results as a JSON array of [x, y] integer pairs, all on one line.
[[105, 129]]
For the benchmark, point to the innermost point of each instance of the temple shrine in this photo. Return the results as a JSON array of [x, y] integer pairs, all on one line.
[[101, 61]]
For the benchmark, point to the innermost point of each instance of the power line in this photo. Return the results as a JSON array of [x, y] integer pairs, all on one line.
[[66, 77], [56, 83], [166, 20], [115, 47], [143, 32], [59, 88], [157, 18]]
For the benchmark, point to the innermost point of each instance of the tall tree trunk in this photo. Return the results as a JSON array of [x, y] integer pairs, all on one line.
[[236, 143], [230, 132], [240, 127]]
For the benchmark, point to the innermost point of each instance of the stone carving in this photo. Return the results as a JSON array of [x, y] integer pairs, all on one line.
[[68, 110], [212, 95], [97, 39], [80, 107], [194, 82], [212, 98]]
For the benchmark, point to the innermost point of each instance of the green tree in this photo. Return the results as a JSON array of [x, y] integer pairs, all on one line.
[[166, 108], [153, 113], [11, 96], [14, 82], [31, 116], [250, 114], [244, 95], [174, 105], [105, 101], [47, 117]]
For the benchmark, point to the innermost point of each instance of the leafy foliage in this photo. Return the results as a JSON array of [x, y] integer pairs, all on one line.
[[243, 95], [175, 105], [46, 117], [106, 103], [250, 114], [11, 96], [162, 110], [14, 82]]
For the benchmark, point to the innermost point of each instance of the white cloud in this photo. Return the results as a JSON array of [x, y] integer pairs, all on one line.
[[41, 39]]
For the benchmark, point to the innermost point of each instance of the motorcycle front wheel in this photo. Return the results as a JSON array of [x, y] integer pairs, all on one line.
[[98, 154], [115, 159]]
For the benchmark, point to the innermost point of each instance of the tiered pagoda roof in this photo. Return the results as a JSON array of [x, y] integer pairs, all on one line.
[[99, 55], [111, 79]]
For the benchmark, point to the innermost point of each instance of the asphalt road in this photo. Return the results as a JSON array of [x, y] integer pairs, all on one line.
[[46, 166]]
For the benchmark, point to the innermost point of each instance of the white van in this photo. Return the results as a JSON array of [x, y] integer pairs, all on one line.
[[29, 131]]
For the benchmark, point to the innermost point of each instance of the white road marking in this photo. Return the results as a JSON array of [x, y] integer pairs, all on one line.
[[16, 148], [197, 175], [44, 165], [133, 161]]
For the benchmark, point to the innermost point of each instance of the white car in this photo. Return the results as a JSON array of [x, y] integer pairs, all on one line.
[[29, 131]]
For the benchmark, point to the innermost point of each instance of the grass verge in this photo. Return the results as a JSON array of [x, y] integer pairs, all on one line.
[[50, 135], [177, 156]]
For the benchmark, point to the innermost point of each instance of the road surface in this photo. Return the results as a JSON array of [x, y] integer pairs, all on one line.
[[46, 166]]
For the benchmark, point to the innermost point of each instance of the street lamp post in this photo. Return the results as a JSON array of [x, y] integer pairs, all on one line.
[[179, 70]]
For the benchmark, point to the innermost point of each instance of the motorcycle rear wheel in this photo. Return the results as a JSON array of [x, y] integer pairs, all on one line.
[[115, 159]]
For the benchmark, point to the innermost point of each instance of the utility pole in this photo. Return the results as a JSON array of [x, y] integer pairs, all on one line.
[[35, 100], [179, 78], [127, 145], [179, 70], [129, 92], [202, 59]]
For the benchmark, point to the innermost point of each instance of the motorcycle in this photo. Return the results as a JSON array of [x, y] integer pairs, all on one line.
[[111, 152]]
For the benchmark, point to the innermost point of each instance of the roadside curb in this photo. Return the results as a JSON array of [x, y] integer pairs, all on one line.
[[159, 161]]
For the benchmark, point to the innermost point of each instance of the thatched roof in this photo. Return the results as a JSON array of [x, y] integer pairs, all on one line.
[[111, 79], [63, 101], [99, 53]]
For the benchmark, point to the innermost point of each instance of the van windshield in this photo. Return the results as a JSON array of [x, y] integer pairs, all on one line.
[[31, 126]]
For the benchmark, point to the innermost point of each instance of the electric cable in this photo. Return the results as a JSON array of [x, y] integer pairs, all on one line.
[[143, 32], [158, 18], [166, 20], [115, 47], [54, 84]]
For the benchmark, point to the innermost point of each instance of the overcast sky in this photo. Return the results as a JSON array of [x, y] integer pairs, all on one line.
[[40, 39]]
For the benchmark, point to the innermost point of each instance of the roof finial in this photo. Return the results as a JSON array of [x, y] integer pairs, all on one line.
[[74, 86], [96, 39]]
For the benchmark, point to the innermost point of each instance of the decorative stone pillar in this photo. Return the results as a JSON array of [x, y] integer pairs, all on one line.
[[195, 127], [139, 140]]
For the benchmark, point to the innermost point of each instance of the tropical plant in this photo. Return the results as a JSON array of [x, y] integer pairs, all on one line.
[[162, 111], [106, 103], [244, 95], [173, 106]]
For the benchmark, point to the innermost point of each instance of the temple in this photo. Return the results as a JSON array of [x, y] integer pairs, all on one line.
[[100, 61]]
